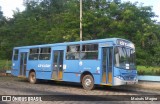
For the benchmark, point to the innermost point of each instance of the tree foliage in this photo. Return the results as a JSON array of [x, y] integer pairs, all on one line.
[[52, 21]]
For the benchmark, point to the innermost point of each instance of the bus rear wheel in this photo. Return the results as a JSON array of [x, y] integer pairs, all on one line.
[[88, 82], [32, 77]]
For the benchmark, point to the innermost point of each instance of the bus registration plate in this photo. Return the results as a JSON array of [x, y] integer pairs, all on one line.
[[130, 83]]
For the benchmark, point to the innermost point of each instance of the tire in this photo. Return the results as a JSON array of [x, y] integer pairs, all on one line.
[[32, 77], [88, 82]]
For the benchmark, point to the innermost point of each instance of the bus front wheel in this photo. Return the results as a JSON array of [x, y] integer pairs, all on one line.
[[88, 82], [32, 77]]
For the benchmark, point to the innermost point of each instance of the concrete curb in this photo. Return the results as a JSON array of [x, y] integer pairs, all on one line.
[[148, 78]]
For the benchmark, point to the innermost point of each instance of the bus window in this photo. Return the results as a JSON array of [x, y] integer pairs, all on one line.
[[34, 52], [124, 56], [15, 57], [89, 51], [45, 54], [73, 52]]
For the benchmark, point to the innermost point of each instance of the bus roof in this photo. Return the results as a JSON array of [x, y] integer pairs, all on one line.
[[77, 42]]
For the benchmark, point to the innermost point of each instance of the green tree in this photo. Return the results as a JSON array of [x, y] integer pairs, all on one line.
[[52, 21]]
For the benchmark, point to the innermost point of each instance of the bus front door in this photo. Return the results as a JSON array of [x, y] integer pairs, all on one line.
[[107, 60], [57, 73], [23, 63]]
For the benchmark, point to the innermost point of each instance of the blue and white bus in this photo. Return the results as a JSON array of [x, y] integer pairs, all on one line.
[[93, 62]]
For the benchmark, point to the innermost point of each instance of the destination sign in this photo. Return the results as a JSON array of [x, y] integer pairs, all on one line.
[[125, 43]]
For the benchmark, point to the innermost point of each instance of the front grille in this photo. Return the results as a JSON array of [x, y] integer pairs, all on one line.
[[128, 77]]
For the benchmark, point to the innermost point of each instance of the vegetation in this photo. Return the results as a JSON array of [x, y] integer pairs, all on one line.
[[51, 21], [142, 70], [5, 65]]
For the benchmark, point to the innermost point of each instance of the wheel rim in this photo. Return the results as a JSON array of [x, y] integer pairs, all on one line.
[[32, 77], [88, 82]]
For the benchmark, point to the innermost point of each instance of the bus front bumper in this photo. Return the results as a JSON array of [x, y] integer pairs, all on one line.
[[118, 82]]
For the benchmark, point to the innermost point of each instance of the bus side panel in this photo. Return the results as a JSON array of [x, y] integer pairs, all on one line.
[[44, 69], [41, 67], [71, 66], [32, 64], [15, 68], [71, 71], [96, 78], [71, 77], [46, 75], [75, 77], [27, 73], [41, 74], [92, 66], [74, 69]]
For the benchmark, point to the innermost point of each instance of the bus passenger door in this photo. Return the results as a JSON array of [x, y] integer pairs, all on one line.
[[107, 60], [57, 73], [23, 63]]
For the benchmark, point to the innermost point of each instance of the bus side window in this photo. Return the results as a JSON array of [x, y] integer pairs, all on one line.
[[89, 51], [16, 52], [34, 53], [45, 53], [73, 52]]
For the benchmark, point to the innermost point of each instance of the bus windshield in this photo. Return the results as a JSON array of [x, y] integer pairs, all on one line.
[[124, 57]]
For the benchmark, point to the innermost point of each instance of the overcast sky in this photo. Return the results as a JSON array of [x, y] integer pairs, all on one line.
[[9, 5]]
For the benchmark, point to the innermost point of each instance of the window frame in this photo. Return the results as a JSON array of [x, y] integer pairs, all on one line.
[[73, 54], [41, 53], [87, 51], [15, 55], [32, 53], [81, 51]]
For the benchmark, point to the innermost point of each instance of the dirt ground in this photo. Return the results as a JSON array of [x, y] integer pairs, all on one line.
[[10, 85]]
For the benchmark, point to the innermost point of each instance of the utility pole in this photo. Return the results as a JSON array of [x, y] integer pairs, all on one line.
[[80, 20]]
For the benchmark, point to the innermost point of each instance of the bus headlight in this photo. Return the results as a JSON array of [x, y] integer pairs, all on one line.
[[135, 78], [120, 77]]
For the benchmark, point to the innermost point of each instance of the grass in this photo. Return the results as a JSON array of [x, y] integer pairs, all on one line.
[[5, 65], [142, 70]]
